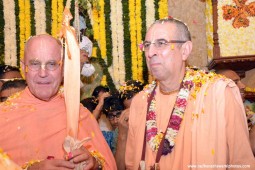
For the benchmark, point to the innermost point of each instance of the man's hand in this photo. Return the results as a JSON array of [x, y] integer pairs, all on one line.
[[53, 164], [83, 156]]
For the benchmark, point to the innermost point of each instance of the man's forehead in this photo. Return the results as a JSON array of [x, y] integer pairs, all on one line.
[[160, 31]]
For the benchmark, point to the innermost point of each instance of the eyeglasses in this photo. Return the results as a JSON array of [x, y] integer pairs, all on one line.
[[159, 44], [111, 116], [50, 66]]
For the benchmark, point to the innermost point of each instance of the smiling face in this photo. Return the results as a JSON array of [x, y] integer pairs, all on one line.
[[43, 83], [166, 62]]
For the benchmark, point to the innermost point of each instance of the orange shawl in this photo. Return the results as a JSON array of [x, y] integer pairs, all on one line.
[[32, 129]]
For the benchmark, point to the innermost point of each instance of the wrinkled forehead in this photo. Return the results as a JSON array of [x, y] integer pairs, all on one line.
[[161, 31], [43, 47]]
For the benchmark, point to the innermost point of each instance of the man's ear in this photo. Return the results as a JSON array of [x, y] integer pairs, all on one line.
[[186, 50]]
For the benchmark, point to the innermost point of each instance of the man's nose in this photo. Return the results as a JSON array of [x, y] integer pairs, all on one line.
[[152, 51], [43, 70]]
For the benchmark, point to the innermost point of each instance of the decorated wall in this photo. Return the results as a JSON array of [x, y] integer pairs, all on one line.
[[116, 28], [194, 14]]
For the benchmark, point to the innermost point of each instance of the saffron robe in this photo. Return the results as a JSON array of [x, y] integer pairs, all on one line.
[[213, 132], [32, 129]]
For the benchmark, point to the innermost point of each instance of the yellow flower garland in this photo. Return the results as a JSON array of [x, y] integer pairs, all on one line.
[[132, 24], [27, 20], [60, 14], [95, 22], [54, 18], [102, 29], [209, 29], [22, 27], [139, 65], [163, 9]]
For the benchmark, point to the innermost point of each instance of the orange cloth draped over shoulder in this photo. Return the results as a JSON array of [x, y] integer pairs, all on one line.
[[213, 133], [32, 129]]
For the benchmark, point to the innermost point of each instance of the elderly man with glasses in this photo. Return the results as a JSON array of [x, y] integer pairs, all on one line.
[[187, 118], [33, 123]]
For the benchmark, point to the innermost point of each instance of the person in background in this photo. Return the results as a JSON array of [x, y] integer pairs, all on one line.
[[11, 87], [8, 72], [112, 108], [87, 69], [90, 103], [127, 91], [186, 117], [35, 122], [100, 93], [236, 78]]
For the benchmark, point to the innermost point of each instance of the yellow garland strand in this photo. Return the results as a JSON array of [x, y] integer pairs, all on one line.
[[163, 9], [103, 81], [132, 23], [139, 40], [27, 20], [95, 23], [209, 29], [102, 39], [22, 27], [54, 18], [59, 14]]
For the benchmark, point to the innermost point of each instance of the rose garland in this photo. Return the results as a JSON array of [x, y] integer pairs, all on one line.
[[193, 79], [9, 29]]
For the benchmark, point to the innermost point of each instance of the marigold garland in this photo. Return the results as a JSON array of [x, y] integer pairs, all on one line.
[[60, 9], [54, 17], [209, 29], [139, 66], [102, 40], [133, 35], [163, 8], [95, 22], [22, 27], [32, 19], [27, 20]]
